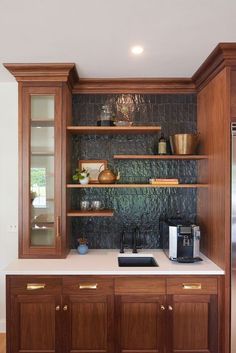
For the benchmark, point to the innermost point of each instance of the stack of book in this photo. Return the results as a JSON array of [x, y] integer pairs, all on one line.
[[164, 181]]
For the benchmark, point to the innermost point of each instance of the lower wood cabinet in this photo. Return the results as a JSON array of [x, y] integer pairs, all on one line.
[[33, 317], [105, 314], [193, 323], [140, 323], [89, 307]]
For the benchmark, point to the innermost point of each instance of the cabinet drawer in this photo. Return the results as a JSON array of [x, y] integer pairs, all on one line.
[[87, 285], [35, 285], [131, 285], [185, 285]]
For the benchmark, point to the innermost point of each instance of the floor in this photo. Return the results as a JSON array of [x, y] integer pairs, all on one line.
[[2, 343]]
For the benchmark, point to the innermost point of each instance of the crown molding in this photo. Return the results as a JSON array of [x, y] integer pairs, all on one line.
[[224, 55], [134, 85], [53, 72]]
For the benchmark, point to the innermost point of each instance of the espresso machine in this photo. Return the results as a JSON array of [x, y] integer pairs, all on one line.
[[181, 240]]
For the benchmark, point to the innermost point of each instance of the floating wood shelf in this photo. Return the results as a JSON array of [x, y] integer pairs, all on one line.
[[42, 153], [42, 123], [160, 157], [41, 228], [113, 129], [79, 186], [98, 213]]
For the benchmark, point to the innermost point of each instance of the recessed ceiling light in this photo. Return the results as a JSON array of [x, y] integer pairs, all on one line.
[[137, 50]]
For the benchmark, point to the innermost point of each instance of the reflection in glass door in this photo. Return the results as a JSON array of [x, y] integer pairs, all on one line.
[[42, 170]]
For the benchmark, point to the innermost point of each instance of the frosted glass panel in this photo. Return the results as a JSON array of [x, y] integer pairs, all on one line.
[[42, 107], [42, 172]]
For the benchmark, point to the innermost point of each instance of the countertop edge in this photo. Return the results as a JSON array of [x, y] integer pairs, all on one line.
[[113, 273]]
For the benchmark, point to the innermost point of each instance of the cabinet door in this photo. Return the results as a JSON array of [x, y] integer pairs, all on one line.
[[34, 324], [140, 323], [89, 323], [193, 322], [40, 172]]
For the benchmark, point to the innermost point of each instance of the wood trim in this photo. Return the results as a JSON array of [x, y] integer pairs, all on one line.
[[161, 157], [223, 55], [98, 213], [2, 343], [71, 186], [113, 129], [134, 85], [60, 72]]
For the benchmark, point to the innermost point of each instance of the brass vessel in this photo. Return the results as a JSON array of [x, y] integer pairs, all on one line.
[[184, 143], [108, 177]]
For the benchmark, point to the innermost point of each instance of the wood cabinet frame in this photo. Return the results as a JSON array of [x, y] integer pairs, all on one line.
[[114, 292], [216, 72]]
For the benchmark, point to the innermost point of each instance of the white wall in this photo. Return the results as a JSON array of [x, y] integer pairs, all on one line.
[[8, 183]]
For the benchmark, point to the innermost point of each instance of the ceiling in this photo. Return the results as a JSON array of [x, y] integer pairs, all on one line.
[[177, 35]]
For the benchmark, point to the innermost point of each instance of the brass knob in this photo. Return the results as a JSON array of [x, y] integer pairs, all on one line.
[[163, 307], [57, 308], [170, 307], [65, 307]]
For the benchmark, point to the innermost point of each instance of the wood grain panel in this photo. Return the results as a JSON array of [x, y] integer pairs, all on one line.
[[182, 285], [88, 323], [81, 130], [52, 285], [71, 285], [34, 323], [161, 157], [193, 324], [233, 95], [79, 186], [214, 203], [134, 285], [140, 323], [2, 343], [66, 170], [40, 336], [134, 85]]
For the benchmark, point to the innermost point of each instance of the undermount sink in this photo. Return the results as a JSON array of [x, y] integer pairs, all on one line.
[[136, 261]]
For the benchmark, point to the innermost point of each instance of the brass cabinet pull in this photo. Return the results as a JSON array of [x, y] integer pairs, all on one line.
[[58, 226], [35, 286], [57, 308], [163, 307], [192, 286], [65, 308], [88, 286], [170, 308]]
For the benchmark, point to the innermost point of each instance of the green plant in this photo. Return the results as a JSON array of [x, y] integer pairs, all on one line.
[[82, 241], [80, 175]]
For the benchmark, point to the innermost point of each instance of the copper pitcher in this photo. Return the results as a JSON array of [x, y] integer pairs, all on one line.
[[108, 177]]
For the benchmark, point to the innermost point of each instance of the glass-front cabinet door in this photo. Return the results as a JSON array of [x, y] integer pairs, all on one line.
[[41, 172]]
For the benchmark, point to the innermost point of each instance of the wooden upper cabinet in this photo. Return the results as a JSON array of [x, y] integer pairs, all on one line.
[[45, 104], [40, 171]]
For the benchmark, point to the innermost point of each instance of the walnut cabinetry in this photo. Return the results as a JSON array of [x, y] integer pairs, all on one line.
[[44, 112], [112, 314]]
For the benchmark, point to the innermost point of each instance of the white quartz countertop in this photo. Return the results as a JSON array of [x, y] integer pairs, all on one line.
[[104, 262]]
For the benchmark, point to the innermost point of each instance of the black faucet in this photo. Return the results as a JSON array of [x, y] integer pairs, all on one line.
[[122, 242], [135, 235]]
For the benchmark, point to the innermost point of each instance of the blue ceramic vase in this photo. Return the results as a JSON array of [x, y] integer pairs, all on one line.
[[82, 249]]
